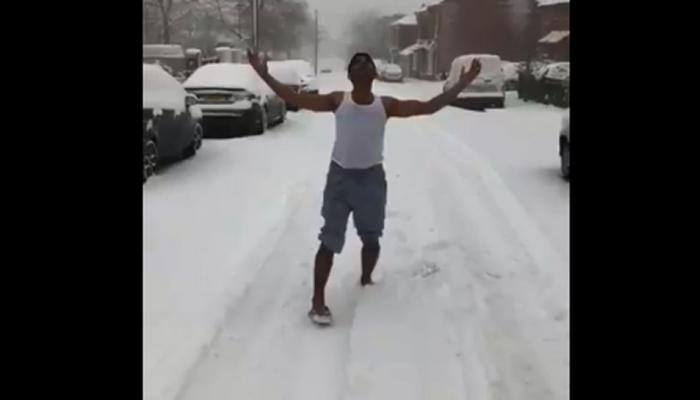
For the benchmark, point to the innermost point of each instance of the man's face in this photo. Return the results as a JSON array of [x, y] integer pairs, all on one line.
[[362, 69]]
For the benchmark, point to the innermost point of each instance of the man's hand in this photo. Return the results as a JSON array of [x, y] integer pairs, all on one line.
[[467, 77], [258, 63], [313, 102], [409, 108]]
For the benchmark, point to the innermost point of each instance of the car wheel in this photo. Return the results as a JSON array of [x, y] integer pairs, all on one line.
[[196, 143], [260, 121], [565, 160], [150, 159]]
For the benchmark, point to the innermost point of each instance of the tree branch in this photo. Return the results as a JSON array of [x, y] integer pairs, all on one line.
[[226, 25]]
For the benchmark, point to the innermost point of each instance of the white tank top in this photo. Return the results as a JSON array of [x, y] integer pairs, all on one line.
[[359, 133]]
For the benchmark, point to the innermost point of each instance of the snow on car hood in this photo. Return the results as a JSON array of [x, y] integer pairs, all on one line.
[[226, 76]]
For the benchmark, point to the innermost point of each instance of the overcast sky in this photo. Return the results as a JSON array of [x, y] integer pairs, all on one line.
[[334, 14]]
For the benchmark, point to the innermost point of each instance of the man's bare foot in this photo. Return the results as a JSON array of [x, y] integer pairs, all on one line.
[[364, 281]]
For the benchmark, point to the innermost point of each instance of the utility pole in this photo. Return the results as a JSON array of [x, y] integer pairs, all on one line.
[[316, 42]]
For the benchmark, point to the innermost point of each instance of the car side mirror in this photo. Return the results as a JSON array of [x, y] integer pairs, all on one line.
[[190, 99]]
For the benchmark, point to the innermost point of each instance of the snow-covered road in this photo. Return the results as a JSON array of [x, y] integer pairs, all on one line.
[[472, 294]]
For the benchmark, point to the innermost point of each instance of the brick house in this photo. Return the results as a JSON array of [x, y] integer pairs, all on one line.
[[450, 28], [554, 30], [404, 33]]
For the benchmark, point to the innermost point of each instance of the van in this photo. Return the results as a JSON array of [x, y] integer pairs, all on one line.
[[487, 89]]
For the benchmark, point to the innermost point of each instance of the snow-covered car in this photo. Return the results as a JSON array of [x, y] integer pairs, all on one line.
[[565, 146], [171, 120], [304, 68], [391, 73], [547, 83], [234, 99], [380, 63], [288, 76], [487, 89], [555, 81]]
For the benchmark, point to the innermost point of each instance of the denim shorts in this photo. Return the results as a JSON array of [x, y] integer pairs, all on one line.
[[360, 191]]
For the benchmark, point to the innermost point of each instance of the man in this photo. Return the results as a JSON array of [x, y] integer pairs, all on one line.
[[356, 182]]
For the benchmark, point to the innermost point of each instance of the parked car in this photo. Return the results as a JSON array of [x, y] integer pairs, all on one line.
[[309, 82], [487, 89], [554, 79], [169, 56], [391, 73], [546, 82], [380, 63], [234, 100], [565, 147], [287, 75], [171, 120]]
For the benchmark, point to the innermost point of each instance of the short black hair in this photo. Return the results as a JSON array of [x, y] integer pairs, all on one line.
[[361, 54]]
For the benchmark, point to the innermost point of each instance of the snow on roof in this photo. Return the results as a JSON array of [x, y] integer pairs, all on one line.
[[429, 3], [412, 48], [226, 76], [409, 19], [163, 51], [543, 3], [479, 56], [554, 37], [161, 90]]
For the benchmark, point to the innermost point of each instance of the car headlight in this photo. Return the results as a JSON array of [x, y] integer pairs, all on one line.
[[242, 105]]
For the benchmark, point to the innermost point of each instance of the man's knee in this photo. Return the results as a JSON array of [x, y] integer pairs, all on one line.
[[370, 243], [325, 251]]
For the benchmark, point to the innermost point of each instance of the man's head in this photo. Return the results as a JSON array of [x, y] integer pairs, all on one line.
[[361, 68]]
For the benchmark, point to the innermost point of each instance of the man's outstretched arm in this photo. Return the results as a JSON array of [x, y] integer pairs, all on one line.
[[410, 108], [313, 102]]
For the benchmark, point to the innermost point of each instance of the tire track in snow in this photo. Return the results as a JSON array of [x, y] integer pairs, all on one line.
[[513, 315], [267, 348]]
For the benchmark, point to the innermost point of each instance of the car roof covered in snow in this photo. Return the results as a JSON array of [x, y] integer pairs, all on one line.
[[303, 66], [226, 76], [285, 73], [161, 90]]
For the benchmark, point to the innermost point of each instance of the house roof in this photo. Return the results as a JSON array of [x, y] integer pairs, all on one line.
[[543, 3], [412, 48], [554, 37], [429, 3], [409, 19]]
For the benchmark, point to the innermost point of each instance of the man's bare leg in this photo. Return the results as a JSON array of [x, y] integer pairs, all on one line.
[[370, 254], [322, 269]]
